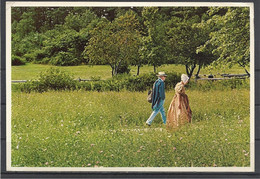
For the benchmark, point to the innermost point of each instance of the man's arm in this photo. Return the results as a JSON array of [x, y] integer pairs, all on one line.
[[161, 90]]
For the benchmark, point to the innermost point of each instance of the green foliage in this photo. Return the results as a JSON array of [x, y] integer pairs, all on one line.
[[80, 21], [51, 79], [230, 35], [154, 49], [123, 36], [64, 59], [185, 37], [223, 85], [16, 60], [114, 43]]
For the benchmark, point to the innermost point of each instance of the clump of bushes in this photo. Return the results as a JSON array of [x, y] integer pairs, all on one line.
[[55, 79], [51, 79], [16, 60], [207, 85]]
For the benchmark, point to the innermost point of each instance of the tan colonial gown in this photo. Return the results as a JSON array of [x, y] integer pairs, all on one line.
[[176, 116]]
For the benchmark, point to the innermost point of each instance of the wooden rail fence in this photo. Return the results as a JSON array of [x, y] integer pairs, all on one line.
[[225, 77]]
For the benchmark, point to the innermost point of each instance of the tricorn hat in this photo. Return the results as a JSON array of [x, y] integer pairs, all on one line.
[[161, 74]]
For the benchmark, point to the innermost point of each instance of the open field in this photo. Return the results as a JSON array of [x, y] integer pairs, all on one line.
[[92, 129], [31, 71]]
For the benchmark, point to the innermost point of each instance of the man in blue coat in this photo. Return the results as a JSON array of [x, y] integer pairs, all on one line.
[[158, 98]]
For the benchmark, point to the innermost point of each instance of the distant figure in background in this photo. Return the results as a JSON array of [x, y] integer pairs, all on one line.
[[158, 98], [179, 111]]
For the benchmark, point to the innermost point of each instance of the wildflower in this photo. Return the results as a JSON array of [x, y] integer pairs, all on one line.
[[95, 166], [244, 151], [138, 151], [174, 148], [89, 164], [246, 154], [158, 150], [61, 125], [97, 162], [77, 132], [180, 138], [101, 151], [92, 145], [112, 155], [47, 163], [214, 165]]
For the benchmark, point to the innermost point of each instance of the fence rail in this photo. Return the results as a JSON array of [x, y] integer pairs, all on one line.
[[79, 79], [225, 77]]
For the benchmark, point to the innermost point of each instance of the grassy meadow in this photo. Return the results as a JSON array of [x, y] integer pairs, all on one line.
[[107, 129], [31, 71], [94, 129]]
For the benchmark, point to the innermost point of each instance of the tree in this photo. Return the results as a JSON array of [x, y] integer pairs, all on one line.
[[230, 37], [114, 43], [154, 48], [185, 37]]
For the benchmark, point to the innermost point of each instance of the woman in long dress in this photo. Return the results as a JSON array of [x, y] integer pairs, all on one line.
[[179, 111]]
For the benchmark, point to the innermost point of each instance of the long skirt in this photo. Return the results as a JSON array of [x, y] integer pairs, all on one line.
[[178, 116]]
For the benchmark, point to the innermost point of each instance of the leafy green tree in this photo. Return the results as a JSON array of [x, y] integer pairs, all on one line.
[[79, 21], [230, 37], [114, 43], [154, 48], [185, 37]]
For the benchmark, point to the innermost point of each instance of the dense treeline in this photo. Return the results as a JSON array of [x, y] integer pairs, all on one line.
[[119, 37]]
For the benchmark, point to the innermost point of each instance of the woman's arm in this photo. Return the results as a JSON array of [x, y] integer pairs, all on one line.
[[179, 96]]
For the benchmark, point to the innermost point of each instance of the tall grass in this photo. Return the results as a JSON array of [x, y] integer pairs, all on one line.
[[92, 129]]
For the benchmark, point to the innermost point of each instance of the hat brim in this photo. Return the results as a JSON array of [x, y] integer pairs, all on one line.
[[161, 75]]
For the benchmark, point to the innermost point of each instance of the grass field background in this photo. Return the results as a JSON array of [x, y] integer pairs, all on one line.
[[31, 71], [92, 129], [107, 129]]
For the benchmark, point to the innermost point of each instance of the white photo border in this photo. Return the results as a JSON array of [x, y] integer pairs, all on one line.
[[11, 4]]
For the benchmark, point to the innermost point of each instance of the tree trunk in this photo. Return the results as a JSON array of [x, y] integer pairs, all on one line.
[[242, 65], [197, 74], [138, 70], [247, 72], [154, 69], [189, 70], [112, 71]]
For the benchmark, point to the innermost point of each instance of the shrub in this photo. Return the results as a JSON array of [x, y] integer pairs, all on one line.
[[16, 60], [146, 81], [29, 57], [39, 55], [208, 85], [65, 59], [123, 69], [54, 79], [57, 80], [51, 79]]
